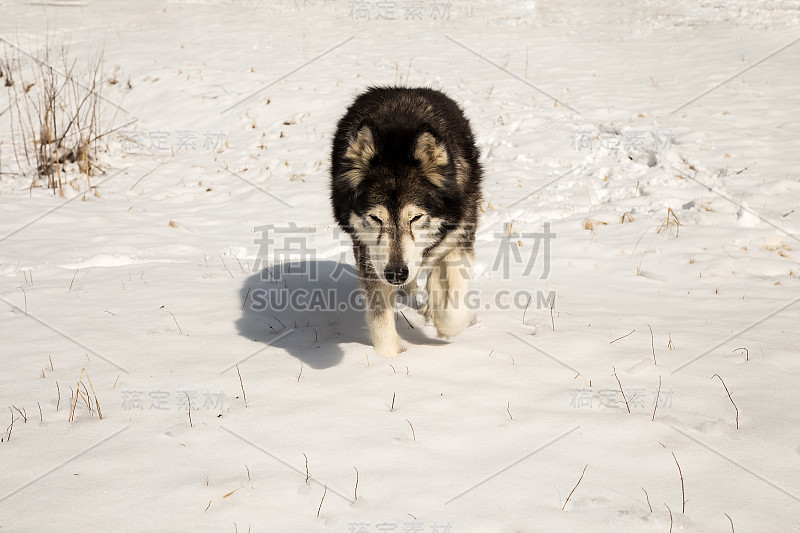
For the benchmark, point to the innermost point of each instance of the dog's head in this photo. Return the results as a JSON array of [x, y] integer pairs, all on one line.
[[402, 196]]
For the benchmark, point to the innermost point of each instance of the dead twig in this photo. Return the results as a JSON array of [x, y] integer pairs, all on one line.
[[575, 487], [647, 496], [658, 395], [746, 353], [652, 344], [729, 397], [670, 517], [413, 435], [618, 338], [226, 266], [526, 307], [244, 396], [189, 408], [176, 321], [731, 520], [410, 325], [683, 492], [22, 413], [322, 500], [622, 391], [10, 427]]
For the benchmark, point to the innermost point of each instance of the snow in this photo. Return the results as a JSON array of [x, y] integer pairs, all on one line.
[[150, 283]]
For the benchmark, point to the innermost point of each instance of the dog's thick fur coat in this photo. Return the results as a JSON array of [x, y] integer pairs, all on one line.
[[405, 185]]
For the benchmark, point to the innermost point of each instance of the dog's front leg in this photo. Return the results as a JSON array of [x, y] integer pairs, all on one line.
[[380, 317], [448, 293]]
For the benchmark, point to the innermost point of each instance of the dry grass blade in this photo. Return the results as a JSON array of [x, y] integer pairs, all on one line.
[[56, 116], [79, 393], [670, 220], [230, 493]]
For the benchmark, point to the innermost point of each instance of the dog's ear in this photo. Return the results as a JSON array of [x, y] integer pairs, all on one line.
[[431, 153], [360, 152]]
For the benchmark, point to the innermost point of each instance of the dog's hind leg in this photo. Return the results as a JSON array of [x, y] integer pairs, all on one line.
[[448, 292], [380, 317]]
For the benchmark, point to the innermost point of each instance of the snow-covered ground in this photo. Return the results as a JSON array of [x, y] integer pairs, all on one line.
[[595, 118]]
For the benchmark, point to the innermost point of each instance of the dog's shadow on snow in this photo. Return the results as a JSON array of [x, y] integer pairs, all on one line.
[[311, 310]]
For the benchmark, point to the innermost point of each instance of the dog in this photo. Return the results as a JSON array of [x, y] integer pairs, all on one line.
[[406, 187]]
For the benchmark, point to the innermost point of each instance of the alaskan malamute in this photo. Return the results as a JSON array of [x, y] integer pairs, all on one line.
[[405, 185]]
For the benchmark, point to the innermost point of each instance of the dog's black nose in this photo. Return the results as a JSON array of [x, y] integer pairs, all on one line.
[[397, 274]]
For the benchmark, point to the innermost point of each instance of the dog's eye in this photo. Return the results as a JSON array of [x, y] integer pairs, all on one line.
[[376, 219], [418, 217]]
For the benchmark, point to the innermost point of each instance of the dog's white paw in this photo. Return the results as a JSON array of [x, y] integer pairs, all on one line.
[[390, 349], [451, 322]]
